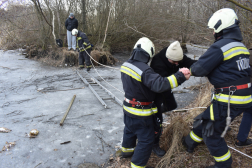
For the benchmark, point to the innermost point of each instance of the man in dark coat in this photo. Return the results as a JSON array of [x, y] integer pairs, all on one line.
[[70, 24], [165, 63]]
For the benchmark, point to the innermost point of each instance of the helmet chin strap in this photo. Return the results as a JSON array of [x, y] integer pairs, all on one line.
[[218, 35]]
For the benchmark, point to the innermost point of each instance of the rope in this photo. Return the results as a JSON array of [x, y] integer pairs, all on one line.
[[240, 152], [102, 77], [100, 63]]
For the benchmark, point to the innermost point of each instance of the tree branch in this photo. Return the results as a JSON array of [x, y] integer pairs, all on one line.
[[240, 5]]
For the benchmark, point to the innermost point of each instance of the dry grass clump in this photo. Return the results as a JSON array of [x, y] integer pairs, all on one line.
[[103, 57], [179, 126], [62, 57]]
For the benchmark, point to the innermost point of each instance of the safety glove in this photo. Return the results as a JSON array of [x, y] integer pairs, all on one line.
[[81, 48], [208, 128], [198, 120]]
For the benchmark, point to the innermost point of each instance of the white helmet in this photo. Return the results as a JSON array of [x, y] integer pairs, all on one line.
[[222, 19], [147, 45], [74, 32]]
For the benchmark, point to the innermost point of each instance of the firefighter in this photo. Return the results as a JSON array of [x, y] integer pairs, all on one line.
[[140, 83], [226, 64], [84, 47], [165, 63]]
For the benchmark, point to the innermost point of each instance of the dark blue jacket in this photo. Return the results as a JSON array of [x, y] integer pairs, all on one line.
[[71, 24], [226, 63], [140, 82]]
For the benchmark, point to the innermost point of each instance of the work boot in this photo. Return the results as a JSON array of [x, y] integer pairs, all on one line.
[[158, 151], [190, 150], [88, 69], [246, 143], [80, 68], [126, 154]]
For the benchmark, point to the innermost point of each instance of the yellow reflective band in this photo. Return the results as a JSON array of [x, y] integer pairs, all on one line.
[[191, 72], [234, 52], [223, 158], [140, 112], [90, 66], [78, 38], [131, 73], [234, 99], [173, 81], [211, 112], [135, 166], [195, 137], [128, 149], [81, 66], [85, 43]]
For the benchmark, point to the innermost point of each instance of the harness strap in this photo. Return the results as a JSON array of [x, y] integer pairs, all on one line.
[[232, 88], [136, 103], [228, 119]]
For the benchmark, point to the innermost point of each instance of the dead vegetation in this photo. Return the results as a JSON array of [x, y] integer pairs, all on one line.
[[178, 125], [62, 57]]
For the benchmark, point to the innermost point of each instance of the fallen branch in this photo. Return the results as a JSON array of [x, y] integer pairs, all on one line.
[[63, 119]]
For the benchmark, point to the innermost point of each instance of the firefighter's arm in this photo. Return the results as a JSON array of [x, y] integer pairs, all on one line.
[[85, 41], [207, 62], [159, 84]]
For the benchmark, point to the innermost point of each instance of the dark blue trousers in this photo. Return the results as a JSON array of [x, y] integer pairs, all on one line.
[[143, 130], [215, 143], [245, 125]]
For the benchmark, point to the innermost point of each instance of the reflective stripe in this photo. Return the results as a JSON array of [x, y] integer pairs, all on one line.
[[81, 66], [234, 52], [173, 81], [128, 149], [135, 166], [231, 45], [133, 67], [85, 48], [223, 158], [78, 38], [141, 112], [234, 99], [211, 112], [195, 137], [131, 73]]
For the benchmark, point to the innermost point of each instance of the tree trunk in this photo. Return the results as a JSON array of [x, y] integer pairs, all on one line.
[[83, 10]]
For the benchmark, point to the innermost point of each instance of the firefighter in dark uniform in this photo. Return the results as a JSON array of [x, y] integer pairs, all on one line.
[[226, 64], [84, 47], [165, 63], [140, 83]]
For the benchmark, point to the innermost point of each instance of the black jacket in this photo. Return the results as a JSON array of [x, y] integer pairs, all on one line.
[[163, 67], [71, 24], [82, 41], [226, 63], [141, 83]]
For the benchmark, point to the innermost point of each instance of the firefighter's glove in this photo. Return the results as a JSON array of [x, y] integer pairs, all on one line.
[[81, 48], [198, 120], [208, 128]]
